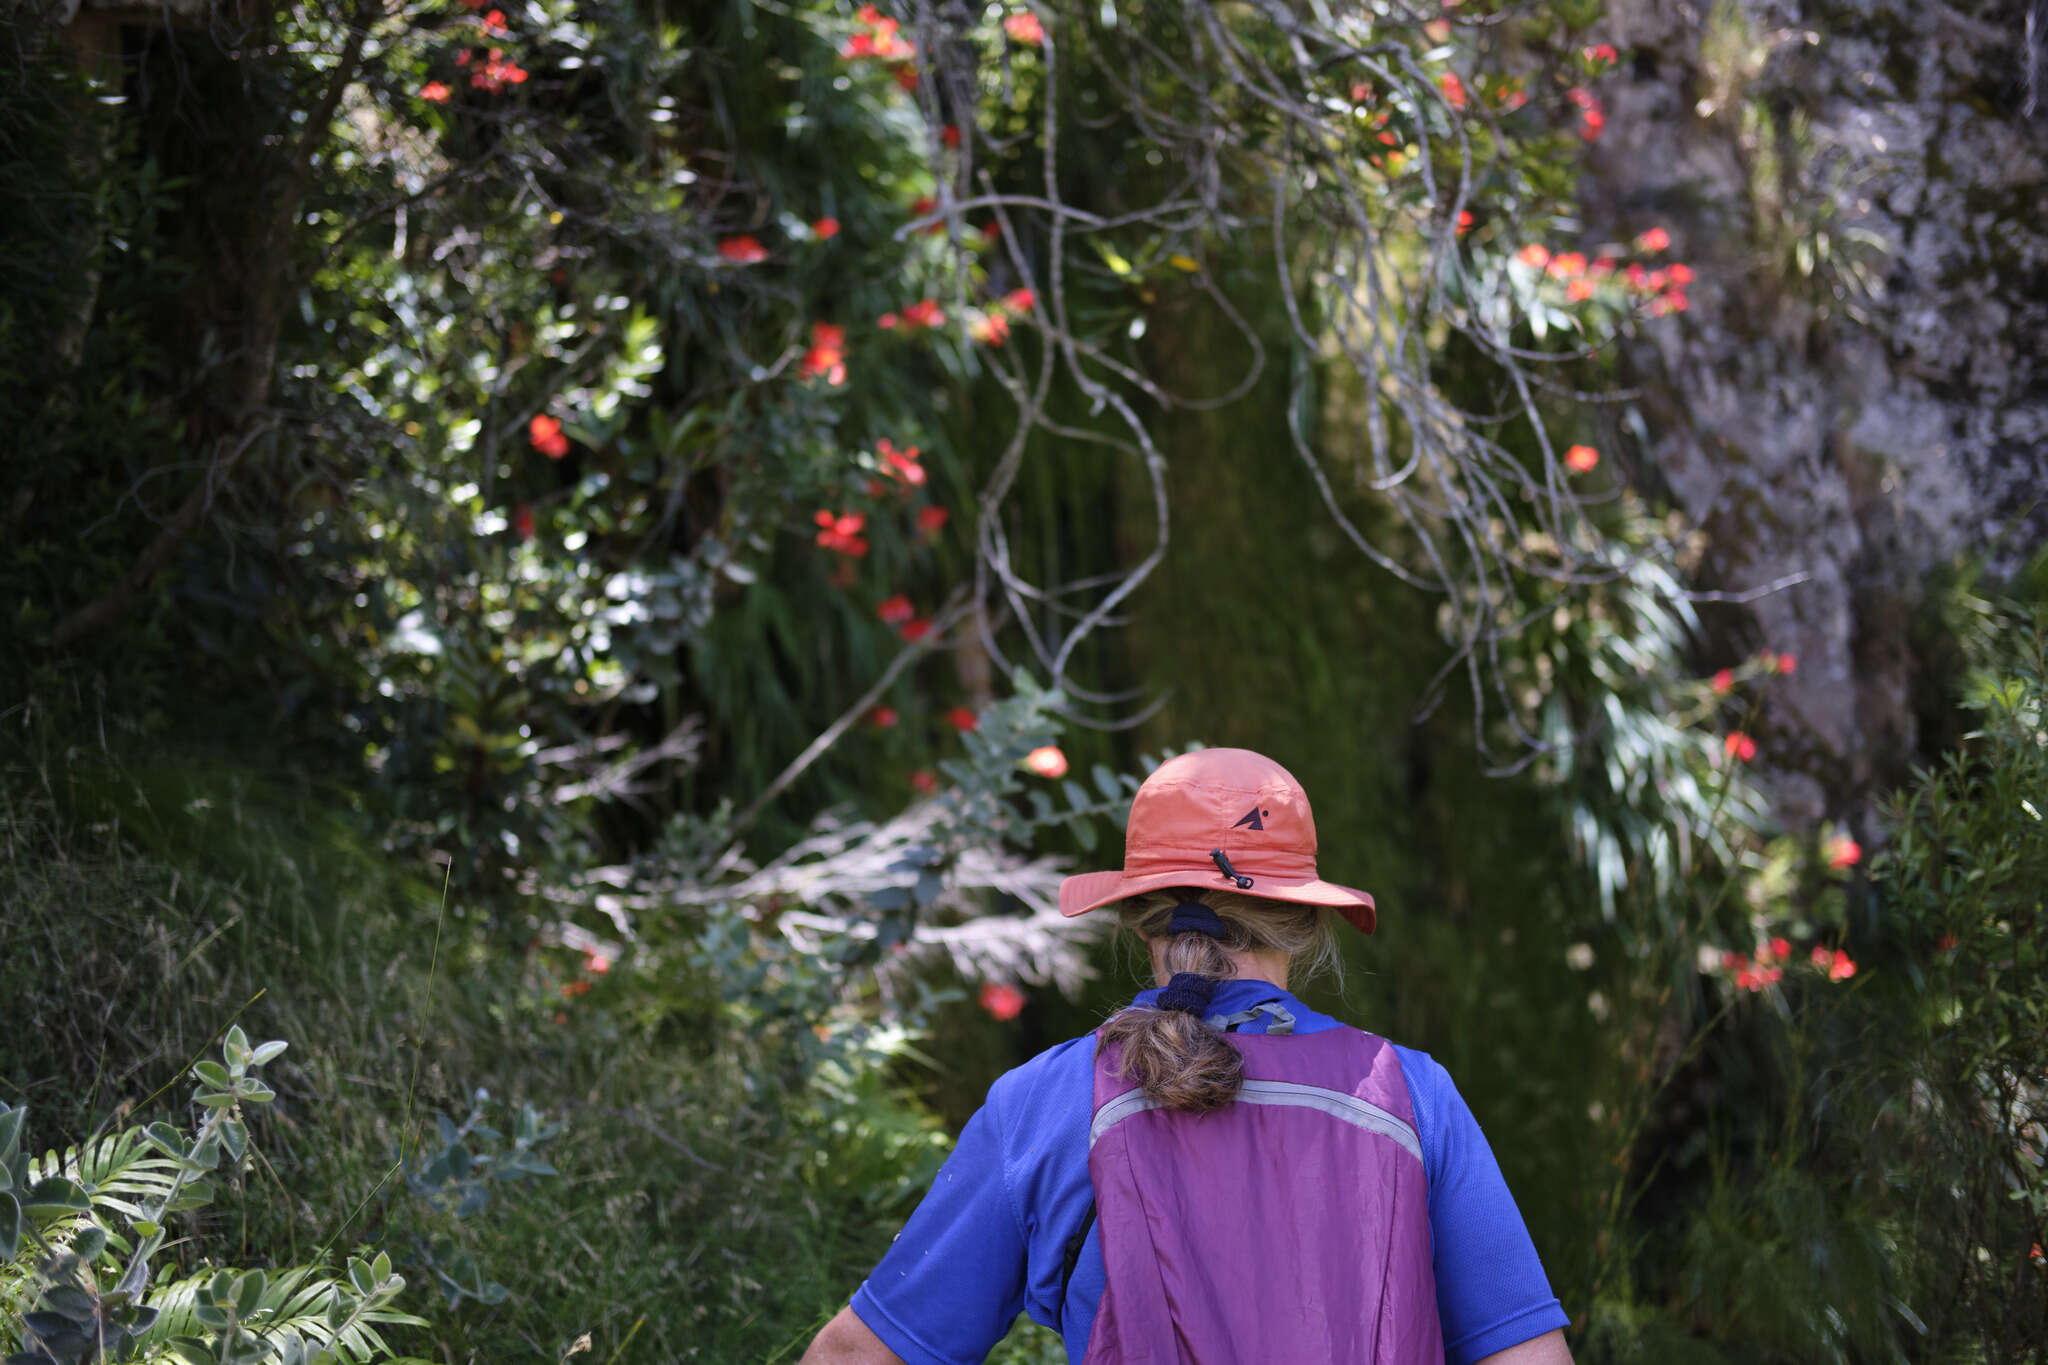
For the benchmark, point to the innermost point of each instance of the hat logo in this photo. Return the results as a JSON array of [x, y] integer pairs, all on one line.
[[1250, 819]]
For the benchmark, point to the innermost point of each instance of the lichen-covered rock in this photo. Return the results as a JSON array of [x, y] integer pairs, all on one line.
[[1859, 392]]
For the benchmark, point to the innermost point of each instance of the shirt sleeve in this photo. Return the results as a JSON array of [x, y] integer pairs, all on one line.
[[1491, 1292], [953, 1281]]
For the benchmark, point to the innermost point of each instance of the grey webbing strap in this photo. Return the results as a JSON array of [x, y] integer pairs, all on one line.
[[1283, 1021], [1347, 1108]]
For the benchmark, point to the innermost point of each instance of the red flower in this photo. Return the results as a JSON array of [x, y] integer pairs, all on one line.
[[572, 989], [545, 433], [743, 250], [494, 24], [1722, 681], [950, 135], [522, 521], [1945, 942], [1656, 239], [1020, 300], [932, 520], [1581, 459], [825, 228], [1464, 221], [1566, 265], [915, 630], [962, 719], [1843, 968], [882, 717], [596, 963], [1592, 117], [1787, 664], [900, 464], [1025, 29], [925, 781], [1601, 54], [827, 354], [887, 322], [859, 45], [1578, 291], [1453, 88], [906, 77], [895, 610], [1535, 255], [1739, 746], [1002, 1001], [496, 73], [1844, 852], [1781, 949], [991, 329], [924, 313], [1679, 273], [434, 92], [1047, 762], [841, 532]]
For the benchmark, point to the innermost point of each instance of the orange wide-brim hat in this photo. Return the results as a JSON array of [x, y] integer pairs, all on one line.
[[1227, 819]]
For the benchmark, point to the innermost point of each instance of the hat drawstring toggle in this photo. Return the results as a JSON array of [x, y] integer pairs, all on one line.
[[1223, 862]]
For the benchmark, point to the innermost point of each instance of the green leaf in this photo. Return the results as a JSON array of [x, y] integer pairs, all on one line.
[[249, 1293], [10, 1226], [235, 1047], [90, 1242], [213, 1099], [165, 1139], [234, 1135], [1106, 782], [254, 1091], [1077, 795], [55, 1197], [268, 1052], [10, 1129], [214, 1074]]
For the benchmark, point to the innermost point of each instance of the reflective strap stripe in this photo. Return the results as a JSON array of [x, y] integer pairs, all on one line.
[[1337, 1104]]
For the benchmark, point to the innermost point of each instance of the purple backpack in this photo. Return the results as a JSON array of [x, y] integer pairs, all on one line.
[[1291, 1225]]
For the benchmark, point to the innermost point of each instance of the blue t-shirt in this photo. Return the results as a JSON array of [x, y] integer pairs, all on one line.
[[990, 1240]]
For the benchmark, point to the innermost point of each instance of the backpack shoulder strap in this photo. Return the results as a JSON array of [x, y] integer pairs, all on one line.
[[1073, 1257]]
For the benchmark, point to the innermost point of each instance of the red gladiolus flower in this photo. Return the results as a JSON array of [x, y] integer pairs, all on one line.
[[932, 520], [496, 73], [462, 57], [1945, 942], [1780, 951], [882, 717], [1535, 255], [913, 631], [522, 521], [887, 322], [1680, 273], [545, 434], [1453, 88], [596, 963], [1722, 681], [924, 780], [991, 329], [1655, 240], [434, 92], [1025, 29], [900, 464], [924, 313], [1581, 459], [1566, 265], [1602, 54], [1787, 663], [1844, 967], [827, 354], [1020, 300], [962, 719], [1673, 302], [825, 228], [895, 610], [1464, 221], [841, 532], [1739, 746], [1578, 291], [1001, 1001], [1047, 762], [494, 24], [743, 250], [1844, 852], [859, 45]]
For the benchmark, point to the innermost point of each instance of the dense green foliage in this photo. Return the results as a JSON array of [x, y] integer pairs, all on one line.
[[581, 562]]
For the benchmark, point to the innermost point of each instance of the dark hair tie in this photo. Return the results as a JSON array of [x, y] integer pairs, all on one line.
[[1188, 992], [1193, 917]]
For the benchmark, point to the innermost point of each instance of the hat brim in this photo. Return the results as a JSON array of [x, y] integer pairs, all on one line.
[[1093, 890]]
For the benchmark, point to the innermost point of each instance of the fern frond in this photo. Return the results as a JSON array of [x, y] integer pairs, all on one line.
[[119, 1171]]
